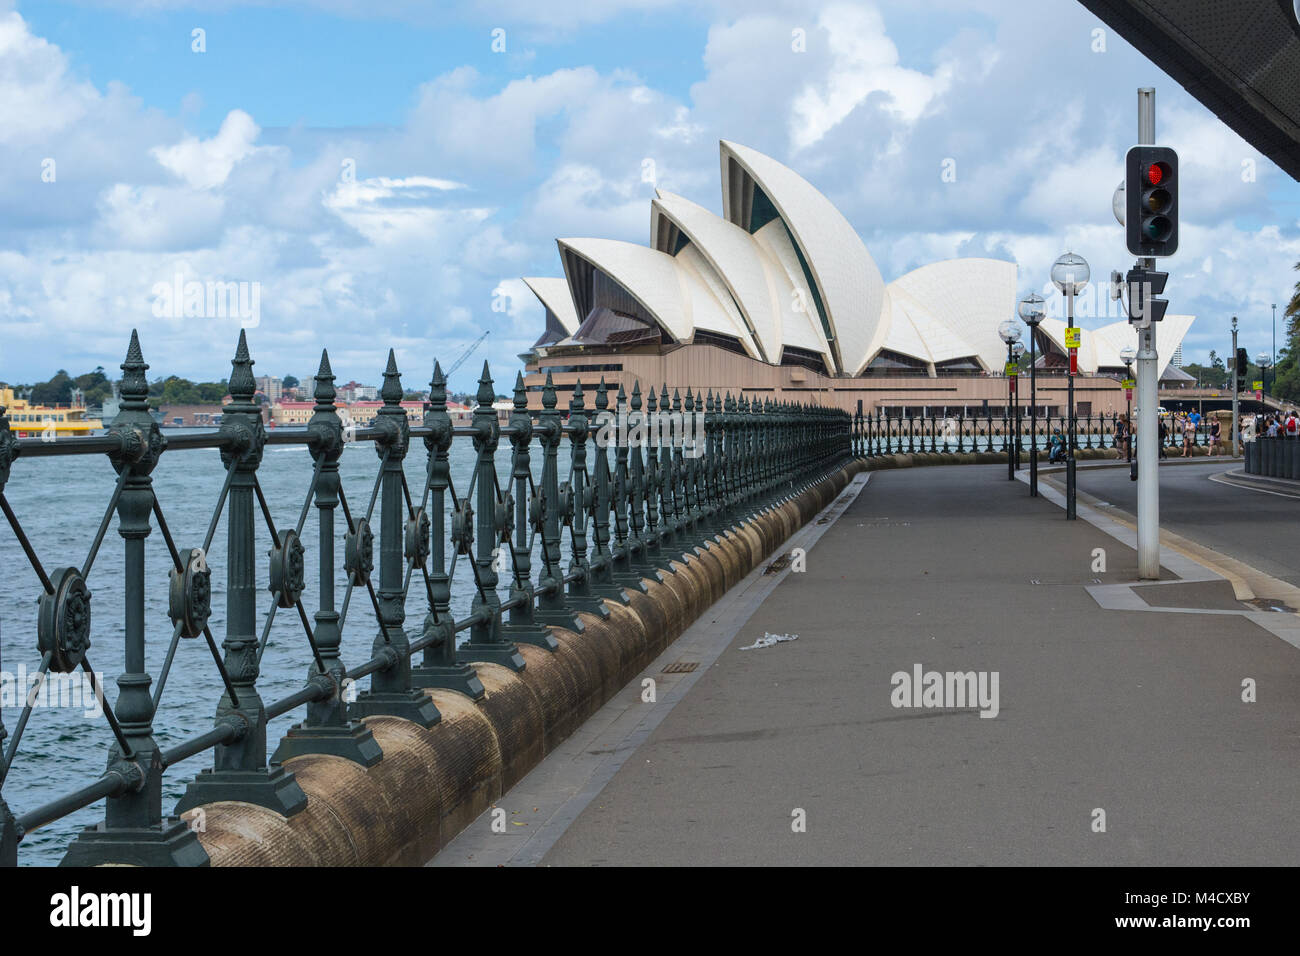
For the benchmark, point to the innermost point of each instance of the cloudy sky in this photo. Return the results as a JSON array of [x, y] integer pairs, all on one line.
[[385, 170]]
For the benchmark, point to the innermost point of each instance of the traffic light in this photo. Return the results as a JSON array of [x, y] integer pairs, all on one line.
[[1240, 368], [1144, 285], [1151, 201]]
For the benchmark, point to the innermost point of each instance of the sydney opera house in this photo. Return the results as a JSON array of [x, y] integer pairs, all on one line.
[[779, 298]]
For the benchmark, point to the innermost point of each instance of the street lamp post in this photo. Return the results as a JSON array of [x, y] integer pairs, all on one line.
[[1031, 312], [1127, 355], [1009, 332], [1070, 274], [1017, 350]]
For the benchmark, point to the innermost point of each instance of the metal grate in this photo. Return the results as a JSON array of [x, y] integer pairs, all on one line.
[[681, 667], [780, 564]]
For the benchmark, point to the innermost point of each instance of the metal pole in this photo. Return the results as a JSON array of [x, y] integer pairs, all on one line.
[[1128, 414], [1148, 530], [1236, 428], [1011, 460], [1033, 417], [1069, 462]]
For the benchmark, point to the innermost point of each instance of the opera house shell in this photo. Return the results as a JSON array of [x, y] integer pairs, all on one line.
[[780, 295]]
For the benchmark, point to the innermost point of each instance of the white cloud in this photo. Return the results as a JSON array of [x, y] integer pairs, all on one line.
[[206, 164]]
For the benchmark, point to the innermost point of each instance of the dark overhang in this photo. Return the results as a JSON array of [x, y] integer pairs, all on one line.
[[1241, 58]]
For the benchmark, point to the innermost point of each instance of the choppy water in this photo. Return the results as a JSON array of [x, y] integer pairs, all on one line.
[[60, 502]]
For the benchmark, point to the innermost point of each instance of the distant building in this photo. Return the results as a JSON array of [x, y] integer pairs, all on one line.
[[271, 387], [296, 414], [1177, 359], [190, 416]]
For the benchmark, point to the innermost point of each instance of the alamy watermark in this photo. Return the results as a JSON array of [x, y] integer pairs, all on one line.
[[947, 689], [683, 430], [212, 299], [75, 690]]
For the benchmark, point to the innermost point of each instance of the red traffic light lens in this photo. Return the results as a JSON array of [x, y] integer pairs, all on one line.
[[1156, 173]]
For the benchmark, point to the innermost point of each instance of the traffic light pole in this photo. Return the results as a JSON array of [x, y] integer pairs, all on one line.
[[1148, 368]]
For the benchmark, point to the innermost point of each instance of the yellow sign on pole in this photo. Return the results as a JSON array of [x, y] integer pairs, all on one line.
[[1129, 383], [1013, 369], [1259, 386], [1072, 337]]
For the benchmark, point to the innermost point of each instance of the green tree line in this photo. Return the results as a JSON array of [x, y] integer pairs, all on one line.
[[1286, 383]]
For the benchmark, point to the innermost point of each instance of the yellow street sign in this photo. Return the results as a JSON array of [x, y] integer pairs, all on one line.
[[1129, 383], [1259, 386], [1072, 337], [1012, 369]]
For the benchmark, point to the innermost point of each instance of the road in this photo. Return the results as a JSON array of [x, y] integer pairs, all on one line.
[[1251, 526]]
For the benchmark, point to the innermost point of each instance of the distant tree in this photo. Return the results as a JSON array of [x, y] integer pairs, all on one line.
[[290, 381], [1286, 381], [57, 391], [211, 393]]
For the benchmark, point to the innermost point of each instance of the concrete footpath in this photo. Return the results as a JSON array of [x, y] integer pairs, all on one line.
[[1124, 717]]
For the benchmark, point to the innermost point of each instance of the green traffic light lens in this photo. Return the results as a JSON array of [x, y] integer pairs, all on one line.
[[1157, 228]]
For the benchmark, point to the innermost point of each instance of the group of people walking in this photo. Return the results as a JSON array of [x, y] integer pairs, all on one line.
[[1185, 425], [1279, 426]]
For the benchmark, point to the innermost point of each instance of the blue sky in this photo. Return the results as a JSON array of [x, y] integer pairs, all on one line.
[[466, 163]]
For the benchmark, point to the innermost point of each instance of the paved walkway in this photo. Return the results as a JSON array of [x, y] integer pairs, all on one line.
[[1135, 712]]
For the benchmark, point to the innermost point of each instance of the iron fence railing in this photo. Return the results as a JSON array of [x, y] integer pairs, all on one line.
[[685, 469], [881, 434]]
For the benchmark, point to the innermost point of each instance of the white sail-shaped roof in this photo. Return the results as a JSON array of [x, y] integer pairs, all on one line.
[[674, 293], [963, 302], [750, 278], [553, 292], [800, 326], [1100, 348], [850, 286]]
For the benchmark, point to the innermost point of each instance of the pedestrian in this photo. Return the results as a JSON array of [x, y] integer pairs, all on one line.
[[1292, 425], [1271, 431], [1122, 438], [1189, 437], [1214, 437], [1057, 452], [1164, 438]]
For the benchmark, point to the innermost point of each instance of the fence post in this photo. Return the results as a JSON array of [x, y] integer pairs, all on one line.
[[480, 528], [621, 556], [133, 830], [391, 693], [523, 627], [654, 485], [239, 770], [328, 729], [667, 477], [602, 564], [577, 505], [440, 667]]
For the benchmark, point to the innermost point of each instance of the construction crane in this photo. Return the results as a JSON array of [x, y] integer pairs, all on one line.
[[467, 353]]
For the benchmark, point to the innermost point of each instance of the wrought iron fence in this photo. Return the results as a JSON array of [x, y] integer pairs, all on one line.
[[881, 434], [685, 470]]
